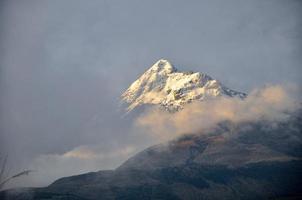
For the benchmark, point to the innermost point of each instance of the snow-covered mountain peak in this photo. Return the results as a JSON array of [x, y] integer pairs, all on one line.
[[162, 66], [164, 85]]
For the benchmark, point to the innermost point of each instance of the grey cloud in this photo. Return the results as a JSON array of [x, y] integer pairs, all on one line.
[[63, 64]]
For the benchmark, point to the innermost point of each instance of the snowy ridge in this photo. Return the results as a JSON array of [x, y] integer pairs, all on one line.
[[164, 85]]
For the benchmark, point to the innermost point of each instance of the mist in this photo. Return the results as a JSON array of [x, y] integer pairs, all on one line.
[[64, 65], [271, 103]]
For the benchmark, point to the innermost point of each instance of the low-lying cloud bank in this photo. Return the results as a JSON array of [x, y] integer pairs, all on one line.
[[82, 159], [272, 103]]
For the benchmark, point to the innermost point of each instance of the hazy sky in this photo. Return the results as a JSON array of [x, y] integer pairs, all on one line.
[[64, 64]]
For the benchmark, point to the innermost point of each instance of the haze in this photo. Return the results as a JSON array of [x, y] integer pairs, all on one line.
[[64, 65]]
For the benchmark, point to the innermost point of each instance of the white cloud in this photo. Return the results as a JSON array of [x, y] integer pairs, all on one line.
[[269, 103]]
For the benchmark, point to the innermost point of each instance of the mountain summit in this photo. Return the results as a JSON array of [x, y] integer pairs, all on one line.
[[248, 160], [164, 85]]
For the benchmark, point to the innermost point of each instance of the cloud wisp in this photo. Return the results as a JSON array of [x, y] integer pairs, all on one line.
[[82, 159], [269, 103]]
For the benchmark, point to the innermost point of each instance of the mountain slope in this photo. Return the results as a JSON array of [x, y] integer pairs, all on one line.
[[230, 145], [259, 163], [271, 180], [257, 159], [164, 85]]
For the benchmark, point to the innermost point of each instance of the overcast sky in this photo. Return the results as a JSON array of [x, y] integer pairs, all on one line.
[[64, 64]]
